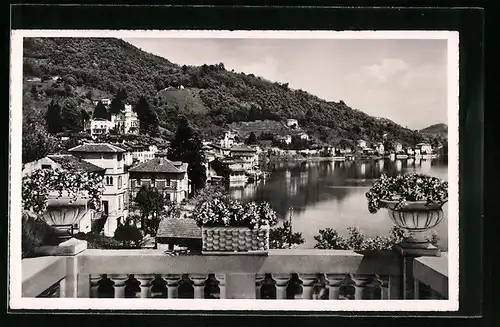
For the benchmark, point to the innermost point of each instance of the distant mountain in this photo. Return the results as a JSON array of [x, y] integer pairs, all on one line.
[[210, 96], [436, 129]]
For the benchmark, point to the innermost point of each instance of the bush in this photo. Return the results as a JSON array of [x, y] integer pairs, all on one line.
[[35, 233], [281, 238], [128, 234], [96, 241]]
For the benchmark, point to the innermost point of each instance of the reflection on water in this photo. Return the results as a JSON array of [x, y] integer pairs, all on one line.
[[332, 193]]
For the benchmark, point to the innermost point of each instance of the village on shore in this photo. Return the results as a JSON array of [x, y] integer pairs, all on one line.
[[231, 158]]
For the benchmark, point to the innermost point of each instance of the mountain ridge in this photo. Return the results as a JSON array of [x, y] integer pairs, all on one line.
[[211, 97]]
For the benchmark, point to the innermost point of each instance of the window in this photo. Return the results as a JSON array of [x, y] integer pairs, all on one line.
[[119, 157], [46, 167], [119, 182], [153, 182], [161, 185], [109, 180], [168, 182], [119, 203]]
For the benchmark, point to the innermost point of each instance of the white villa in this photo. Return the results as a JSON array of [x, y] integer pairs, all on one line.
[[115, 197], [126, 121], [425, 148], [292, 123], [361, 143]]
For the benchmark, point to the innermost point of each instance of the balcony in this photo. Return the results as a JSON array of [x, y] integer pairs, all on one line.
[[282, 274]]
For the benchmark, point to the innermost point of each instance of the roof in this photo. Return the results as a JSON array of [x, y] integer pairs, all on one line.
[[97, 147], [122, 146], [420, 144], [160, 165], [69, 161], [242, 149], [179, 228]]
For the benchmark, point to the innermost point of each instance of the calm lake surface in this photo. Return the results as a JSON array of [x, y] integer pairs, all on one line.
[[331, 194]]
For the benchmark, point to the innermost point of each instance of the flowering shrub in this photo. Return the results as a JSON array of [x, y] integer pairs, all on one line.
[[407, 187], [357, 241], [283, 238], [224, 211], [38, 186]]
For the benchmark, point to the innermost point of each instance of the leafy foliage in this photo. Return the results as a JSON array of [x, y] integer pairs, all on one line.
[[100, 111], [128, 233], [187, 147], [357, 240], [74, 183], [152, 204], [225, 211], [406, 187], [147, 117], [282, 237], [35, 232]]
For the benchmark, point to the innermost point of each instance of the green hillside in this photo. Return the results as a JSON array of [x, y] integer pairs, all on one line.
[[210, 97], [436, 129]]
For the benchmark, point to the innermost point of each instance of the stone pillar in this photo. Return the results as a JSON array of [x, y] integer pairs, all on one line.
[[94, 285], [258, 285], [145, 281], [119, 280], [281, 285], [172, 285], [384, 285], [360, 283], [308, 282], [222, 285], [334, 283], [199, 285]]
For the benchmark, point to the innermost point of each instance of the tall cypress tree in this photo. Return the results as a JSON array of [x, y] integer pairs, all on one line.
[[53, 118], [100, 111], [147, 117], [118, 103], [187, 147]]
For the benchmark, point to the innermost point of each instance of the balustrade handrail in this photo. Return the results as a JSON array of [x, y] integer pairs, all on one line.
[[94, 261], [40, 273], [433, 272]]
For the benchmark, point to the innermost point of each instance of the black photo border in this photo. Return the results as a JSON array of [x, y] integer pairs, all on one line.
[[468, 21]]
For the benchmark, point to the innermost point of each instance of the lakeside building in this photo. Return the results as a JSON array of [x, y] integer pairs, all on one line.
[[228, 139], [115, 196], [245, 153], [398, 147], [287, 139], [169, 177], [425, 148], [304, 137], [292, 123], [361, 144], [380, 148], [62, 212], [409, 151]]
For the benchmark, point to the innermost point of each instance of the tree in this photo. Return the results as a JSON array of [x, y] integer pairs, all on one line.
[[148, 119], [118, 103], [252, 139], [187, 147], [34, 91], [53, 118], [151, 203], [100, 111], [37, 143], [283, 238], [72, 119], [128, 233]]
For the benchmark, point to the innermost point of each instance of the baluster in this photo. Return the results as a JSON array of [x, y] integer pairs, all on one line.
[[172, 285], [258, 285], [334, 283], [384, 285], [281, 285], [360, 284], [94, 285], [222, 285], [145, 280], [119, 280], [199, 285], [308, 282]]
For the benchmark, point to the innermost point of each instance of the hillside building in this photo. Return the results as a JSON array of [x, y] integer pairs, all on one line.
[[292, 123]]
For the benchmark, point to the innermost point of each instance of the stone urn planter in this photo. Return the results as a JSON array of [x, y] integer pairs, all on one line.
[[414, 203], [416, 217], [235, 239]]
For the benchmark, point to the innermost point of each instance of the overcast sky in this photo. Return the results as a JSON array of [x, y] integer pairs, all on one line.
[[403, 80]]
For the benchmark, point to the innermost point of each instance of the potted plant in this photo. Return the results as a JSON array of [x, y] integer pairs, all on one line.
[[231, 226], [414, 202]]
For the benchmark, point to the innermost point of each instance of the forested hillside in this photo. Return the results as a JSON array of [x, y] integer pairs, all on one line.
[[211, 96]]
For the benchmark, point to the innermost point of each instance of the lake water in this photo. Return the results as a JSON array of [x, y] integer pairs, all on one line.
[[331, 194]]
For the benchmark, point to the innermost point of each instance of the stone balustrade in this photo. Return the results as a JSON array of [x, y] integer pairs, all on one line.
[[282, 274]]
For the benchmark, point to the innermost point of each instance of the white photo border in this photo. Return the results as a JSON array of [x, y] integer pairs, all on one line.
[[16, 301]]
